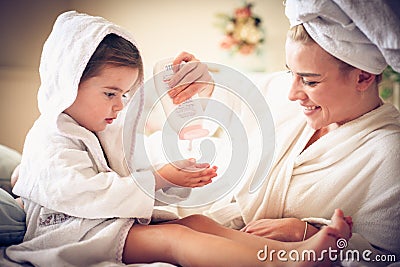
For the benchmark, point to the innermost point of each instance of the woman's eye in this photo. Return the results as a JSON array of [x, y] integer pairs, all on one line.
[[309, 83], [126, 94]]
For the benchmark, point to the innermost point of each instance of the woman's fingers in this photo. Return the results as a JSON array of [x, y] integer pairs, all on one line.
[[183, 57], [188, 80]]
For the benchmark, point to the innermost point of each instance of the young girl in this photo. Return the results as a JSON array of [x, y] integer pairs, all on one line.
[[83, 205]]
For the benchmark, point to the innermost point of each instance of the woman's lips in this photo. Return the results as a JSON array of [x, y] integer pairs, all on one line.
[[308, 110]]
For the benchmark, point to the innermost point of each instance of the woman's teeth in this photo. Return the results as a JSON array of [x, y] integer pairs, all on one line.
[[311, 108]]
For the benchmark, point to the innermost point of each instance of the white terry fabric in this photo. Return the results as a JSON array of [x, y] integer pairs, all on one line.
[[364, 34], [79, 35], [79, 207], [354, 167]]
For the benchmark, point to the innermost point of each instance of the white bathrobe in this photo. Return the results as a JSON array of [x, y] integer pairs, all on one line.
[[355, 168], [79, 206]]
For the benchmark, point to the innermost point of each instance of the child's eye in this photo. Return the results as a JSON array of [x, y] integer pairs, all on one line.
[[110, 95]]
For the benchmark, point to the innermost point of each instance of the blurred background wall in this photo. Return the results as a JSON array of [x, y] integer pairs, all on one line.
[[162, 28]]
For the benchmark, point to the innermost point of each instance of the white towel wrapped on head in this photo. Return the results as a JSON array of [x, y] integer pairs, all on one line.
[[364, 34]]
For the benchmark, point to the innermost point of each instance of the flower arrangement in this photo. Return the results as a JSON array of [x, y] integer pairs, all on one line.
[[389, 88], [389, 77], [242, 30]]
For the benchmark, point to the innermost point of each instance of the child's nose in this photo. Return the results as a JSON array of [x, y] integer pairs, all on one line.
[[118, 105]]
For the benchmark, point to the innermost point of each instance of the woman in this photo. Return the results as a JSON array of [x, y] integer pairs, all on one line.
[[340, 146]]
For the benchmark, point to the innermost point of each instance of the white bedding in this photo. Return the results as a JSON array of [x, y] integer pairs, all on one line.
[[6, 263]]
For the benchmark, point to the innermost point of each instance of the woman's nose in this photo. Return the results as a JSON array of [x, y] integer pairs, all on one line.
[[296, 91]]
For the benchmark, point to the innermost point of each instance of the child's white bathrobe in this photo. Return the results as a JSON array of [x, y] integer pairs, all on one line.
[[79, 207]]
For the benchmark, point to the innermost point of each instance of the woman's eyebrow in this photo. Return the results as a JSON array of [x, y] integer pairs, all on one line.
[[305, 74], [113, 88]]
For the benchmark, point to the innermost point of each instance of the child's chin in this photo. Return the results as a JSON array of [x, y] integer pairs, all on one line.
[[98, 129]]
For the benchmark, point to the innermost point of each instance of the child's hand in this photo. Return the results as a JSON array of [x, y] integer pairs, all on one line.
[[186, 173]]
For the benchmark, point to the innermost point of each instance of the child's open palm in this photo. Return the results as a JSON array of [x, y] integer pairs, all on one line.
[[186, 173]]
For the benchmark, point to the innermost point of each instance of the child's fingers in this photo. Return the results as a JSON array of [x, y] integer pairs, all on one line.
[[203, 179], [184, 164], [207, 177], [202, 165], [197, 172], [207, 172], [202, 183]]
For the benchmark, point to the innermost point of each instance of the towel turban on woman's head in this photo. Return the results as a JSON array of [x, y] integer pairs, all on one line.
[[364, 34]]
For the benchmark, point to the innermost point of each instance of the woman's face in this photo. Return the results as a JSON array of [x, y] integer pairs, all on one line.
[[101, 98], [326, 94]]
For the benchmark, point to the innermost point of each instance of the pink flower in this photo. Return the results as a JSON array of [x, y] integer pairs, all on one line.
[[227, 42], [243, 12], [243, 32], [246, 49]]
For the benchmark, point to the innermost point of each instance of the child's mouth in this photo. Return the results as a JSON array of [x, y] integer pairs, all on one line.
[[109, 120]]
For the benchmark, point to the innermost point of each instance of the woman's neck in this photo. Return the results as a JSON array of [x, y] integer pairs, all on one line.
[[362, 103], [321, 132]]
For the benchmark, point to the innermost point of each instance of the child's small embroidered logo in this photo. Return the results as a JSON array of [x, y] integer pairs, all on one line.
[[54, 218]]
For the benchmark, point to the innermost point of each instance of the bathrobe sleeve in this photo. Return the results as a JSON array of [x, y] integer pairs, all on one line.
[[149, 156], [71, 175], [69, 182]]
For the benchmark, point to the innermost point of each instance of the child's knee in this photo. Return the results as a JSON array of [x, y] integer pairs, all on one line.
[[173, 232], [199, 219], [202, 223]]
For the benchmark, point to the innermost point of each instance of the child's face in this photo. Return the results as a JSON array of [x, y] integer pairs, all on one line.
[[100, 98]]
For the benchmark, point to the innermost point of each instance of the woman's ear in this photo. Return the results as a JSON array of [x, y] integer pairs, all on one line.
[[364, 80]]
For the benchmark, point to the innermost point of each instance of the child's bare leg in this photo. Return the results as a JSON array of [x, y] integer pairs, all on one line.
[[201, 246], [180, 245], [325, 239], [204, 224]]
